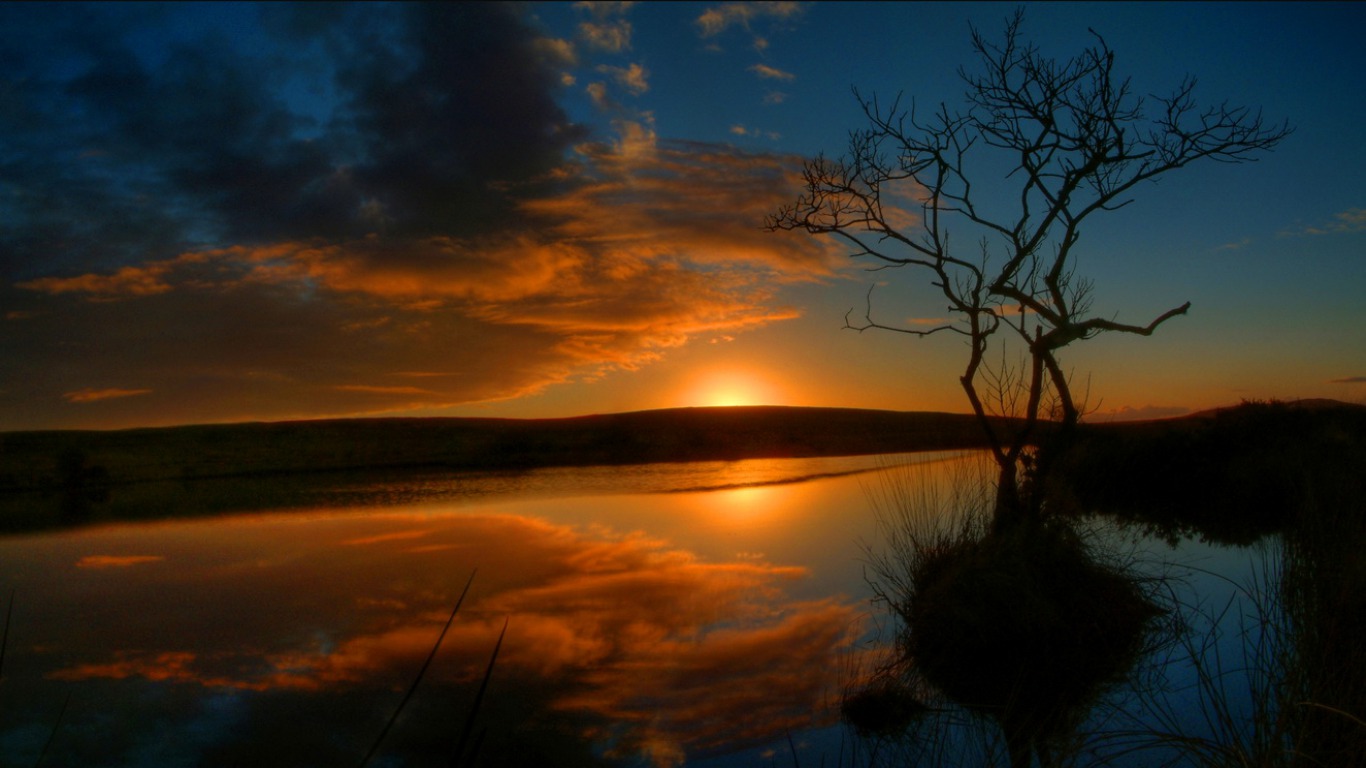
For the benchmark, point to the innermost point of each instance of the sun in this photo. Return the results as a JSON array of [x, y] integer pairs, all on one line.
[[732, 387]]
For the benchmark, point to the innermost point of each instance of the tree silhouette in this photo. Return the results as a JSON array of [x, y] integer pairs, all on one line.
[[1071, 140]]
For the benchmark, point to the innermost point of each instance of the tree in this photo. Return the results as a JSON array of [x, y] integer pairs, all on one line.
[[1072, 140]]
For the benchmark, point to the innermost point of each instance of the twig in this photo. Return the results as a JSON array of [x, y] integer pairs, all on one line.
[[478, 700], [421, 672]]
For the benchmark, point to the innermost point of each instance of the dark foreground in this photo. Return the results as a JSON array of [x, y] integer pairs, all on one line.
[[60, 459]]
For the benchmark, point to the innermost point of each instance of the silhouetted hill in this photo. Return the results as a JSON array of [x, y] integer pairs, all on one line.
[[62, 458], [1231, 474]]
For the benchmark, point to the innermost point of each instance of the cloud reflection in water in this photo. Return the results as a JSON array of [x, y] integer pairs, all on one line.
[[288, 640]]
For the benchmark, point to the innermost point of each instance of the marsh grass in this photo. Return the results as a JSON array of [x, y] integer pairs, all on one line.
[[66, 702], [1272, 677], [1289, 688], [467, 747], [1003, 640]]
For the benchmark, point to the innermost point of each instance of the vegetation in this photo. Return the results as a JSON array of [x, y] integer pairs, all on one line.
[[65, 459], [1233, 475], [1012, 617], [1025, 627], [1031, 629], [64, 478], [1002, 187], [1290, 478]]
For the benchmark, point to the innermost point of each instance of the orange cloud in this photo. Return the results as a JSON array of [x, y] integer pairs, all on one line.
[[94, 395], [633, 78], [384, 390], [396, 536], [116, 561], [719, 18], [1350, 220], [648, 648], [695, 204], [146, 280], [771, 73], [610, 37], [646, 246]]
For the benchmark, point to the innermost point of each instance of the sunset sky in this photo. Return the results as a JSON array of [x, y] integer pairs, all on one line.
[[231, 212]]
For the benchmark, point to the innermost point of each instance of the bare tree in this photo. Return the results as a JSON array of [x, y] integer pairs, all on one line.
[[1070, 140]]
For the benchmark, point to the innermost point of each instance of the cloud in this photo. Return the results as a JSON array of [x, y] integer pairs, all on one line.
[[1345, 222], [557, 52], [1235, 246], [438, 119], [244, 253], [302, 267], [597, 93], [740, 130], [632, 78], [1348, 380], [601, 9], [146, 280], [116, 561], [644, 648], [770, 73], [608, 37], [95, 395], [717, 19], [646, 245]]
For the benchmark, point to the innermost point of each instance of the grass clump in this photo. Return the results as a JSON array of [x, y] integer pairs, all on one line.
[[1024, 627]]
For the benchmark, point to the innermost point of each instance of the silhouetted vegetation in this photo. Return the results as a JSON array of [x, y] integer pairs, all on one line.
[[1026, 627], [1233, 475], [678, 434], [1072, 140], [1011, 616], [80, 484], [1291, 475], [70, 477]]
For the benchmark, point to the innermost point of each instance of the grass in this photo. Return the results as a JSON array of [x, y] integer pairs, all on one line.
[[990, 662], [1023, 629], [1299, 663], [62, 459]]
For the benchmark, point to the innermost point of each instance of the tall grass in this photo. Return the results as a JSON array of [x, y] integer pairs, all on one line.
[[1294, 691], [1002, 642]]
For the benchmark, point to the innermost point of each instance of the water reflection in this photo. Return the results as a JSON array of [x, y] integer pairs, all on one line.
[[286, 640]]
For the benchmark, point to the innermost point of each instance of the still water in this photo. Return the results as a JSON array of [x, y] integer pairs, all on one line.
[[702, 614]]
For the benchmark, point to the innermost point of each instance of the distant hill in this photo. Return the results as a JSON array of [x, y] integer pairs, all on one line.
[[47, 459], [67, 458]]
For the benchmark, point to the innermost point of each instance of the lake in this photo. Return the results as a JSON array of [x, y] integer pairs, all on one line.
[[705, 614]]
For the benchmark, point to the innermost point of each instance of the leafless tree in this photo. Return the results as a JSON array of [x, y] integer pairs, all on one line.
[[1065, 140]]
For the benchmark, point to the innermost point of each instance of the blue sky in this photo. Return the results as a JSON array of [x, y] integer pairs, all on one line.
[[226, 212]]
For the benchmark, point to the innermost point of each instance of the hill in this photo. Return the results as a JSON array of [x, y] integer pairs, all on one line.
[[58, 459]]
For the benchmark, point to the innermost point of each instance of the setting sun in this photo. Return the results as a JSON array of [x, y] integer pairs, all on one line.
[[731, 387]]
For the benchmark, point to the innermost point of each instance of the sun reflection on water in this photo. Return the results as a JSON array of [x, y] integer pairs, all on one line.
[[699, 607], [611, 635]]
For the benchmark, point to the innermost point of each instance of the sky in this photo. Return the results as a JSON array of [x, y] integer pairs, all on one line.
[[258, 212]]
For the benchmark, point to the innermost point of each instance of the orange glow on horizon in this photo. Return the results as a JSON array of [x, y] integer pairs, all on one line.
[[731, 387]]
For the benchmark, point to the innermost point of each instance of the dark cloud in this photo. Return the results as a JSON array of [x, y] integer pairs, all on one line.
[[408, 119], [459, 121], [1349, 380], [286, 212]]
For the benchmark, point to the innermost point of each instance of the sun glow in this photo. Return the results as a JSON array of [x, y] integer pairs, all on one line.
[[732, 387]]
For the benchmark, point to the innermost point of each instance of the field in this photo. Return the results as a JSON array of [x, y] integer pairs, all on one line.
[[60, 459]]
